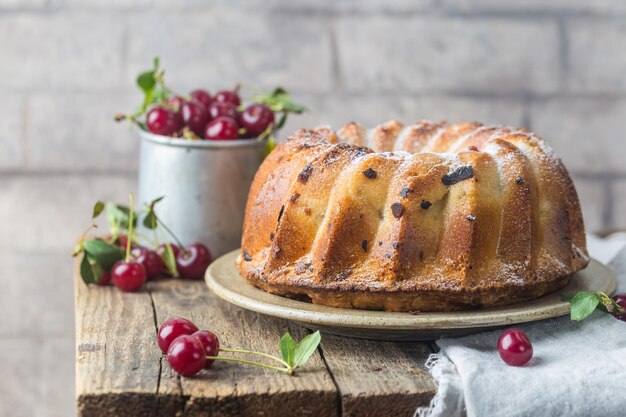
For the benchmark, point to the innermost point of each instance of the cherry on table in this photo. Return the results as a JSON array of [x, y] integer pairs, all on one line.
[[514, 347], [201, 96], [222, 128], [229, 96], [150, 260], [128, 276], [193, 261], [195, 116], [171, 329], [186, 355], [162, 121], [256, 118], [222, 108], [105, 279], [620, 299], [162, 248], [211, 344]]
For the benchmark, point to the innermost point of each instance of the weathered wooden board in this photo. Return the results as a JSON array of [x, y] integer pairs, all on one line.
[[120, 370], [233, 389], [378, 378]]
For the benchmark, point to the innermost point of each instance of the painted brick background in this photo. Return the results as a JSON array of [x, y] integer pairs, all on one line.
[[557, 67]]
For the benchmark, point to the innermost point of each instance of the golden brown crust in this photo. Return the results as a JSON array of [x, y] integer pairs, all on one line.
[[493, 219]]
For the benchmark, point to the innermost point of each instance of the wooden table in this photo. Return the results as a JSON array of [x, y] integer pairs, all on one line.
[[120, 370]]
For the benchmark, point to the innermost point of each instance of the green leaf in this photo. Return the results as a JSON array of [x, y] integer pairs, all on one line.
[[103, 253], [279, 100], [288, 348], [118, 215], [156, 200], [146, 81], [150, 221], [583, 304], [306, 348], [97, 209], [282, 121], [269, 146], [169, 260], [90, 271]]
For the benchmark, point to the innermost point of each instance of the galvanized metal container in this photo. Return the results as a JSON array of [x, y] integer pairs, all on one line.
[[205, 184]]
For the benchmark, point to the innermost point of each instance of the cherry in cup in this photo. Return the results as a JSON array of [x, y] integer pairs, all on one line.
[[229, 96], [195, 117], [176, 104], [193, 260], [514, 347], [222, 108], [173, 328], [255, 119], [222, 128], [201, 96], [162, 121]]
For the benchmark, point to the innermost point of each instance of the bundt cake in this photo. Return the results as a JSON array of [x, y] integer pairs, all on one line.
[[429, 217]]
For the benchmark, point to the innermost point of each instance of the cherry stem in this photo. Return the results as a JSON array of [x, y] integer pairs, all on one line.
[[265, 355], [131, 219], [169, 231], [286, 370]]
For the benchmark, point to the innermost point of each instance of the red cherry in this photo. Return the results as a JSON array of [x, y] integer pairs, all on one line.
[[201, 96], [128, 276], [229, 96], [195, 117], [256, 119], [162, 121], [193, 261], [161, 249], [150, 260], [514, 347], [120, 241], [186, 355], [105, 279], [620, 299], [211, 345], [171, 329], [222, 128], [175, 103], [222, 108]]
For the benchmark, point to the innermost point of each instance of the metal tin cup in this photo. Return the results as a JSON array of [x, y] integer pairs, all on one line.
[[205, 184]]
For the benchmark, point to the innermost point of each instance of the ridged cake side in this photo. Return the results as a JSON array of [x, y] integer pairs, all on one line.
[[429, 217]]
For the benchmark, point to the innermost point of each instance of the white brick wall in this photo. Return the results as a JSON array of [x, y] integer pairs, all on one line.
[[432, 54], [225, 48], [588, 133], [60, 51], [596, 57]]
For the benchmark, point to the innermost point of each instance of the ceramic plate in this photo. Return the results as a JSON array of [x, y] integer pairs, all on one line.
[[224, 280]]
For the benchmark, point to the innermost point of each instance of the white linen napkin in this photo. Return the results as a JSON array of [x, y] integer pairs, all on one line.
[[577, 369]]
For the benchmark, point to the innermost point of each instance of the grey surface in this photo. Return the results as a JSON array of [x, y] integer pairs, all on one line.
[[67, 65]]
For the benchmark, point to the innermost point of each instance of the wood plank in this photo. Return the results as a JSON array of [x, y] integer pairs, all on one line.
[[377, 378], [117, 358], [239, 390], [120, 370]]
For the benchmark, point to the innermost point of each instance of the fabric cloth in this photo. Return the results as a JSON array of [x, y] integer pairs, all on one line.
[[577, 369]]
